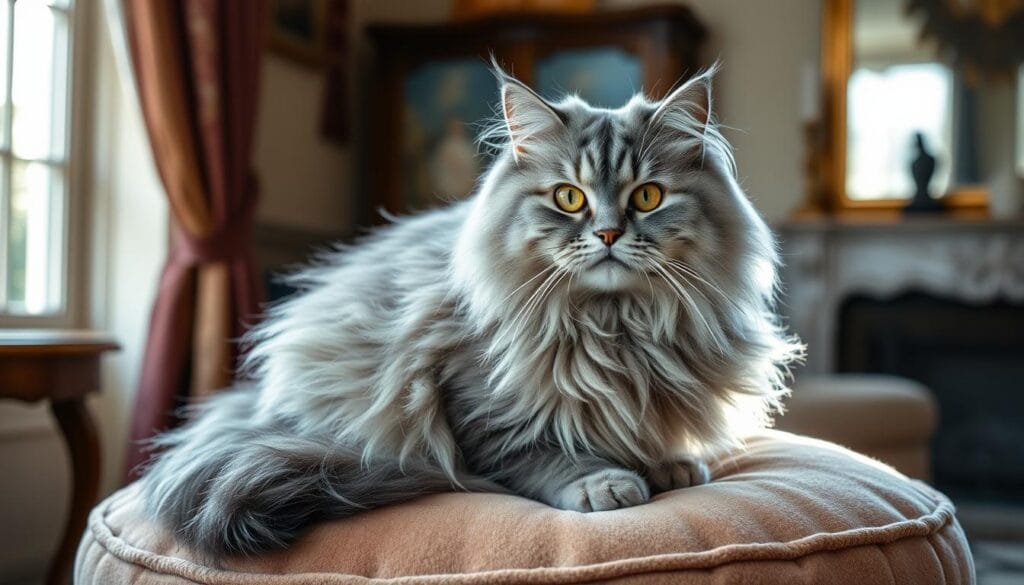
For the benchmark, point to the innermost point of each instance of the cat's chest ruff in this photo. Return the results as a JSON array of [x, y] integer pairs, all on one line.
[[604, 385]]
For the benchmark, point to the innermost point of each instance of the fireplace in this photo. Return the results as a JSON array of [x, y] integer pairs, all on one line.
[[971, 356]]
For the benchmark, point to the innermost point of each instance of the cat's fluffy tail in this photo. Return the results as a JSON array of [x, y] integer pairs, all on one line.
[[228, 485]]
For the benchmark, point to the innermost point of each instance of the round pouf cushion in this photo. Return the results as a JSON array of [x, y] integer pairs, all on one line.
[[784, 510]]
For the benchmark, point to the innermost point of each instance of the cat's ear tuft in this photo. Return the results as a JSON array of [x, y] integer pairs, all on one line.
[[528, 117], [688, 107]]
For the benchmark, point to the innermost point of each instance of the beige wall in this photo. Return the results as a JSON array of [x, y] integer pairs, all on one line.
[[763, 46], [996, 107], [304, 180]]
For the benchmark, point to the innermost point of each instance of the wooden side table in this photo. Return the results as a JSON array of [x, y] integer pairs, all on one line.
[[62, 367]]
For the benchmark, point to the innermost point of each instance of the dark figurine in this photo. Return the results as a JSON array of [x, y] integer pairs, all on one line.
[[922, 169]]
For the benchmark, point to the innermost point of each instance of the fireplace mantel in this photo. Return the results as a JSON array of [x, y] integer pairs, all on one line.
[[826, 261]]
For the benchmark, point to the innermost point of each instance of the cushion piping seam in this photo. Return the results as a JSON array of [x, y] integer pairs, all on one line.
[[926, 525]]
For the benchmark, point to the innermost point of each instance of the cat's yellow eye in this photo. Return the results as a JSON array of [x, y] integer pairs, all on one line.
[[569, 198], [647, 197]]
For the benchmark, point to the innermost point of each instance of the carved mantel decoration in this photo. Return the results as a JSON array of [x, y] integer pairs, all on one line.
[[828, 261], [985, 37]]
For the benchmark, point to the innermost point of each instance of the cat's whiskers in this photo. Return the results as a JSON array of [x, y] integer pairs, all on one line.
[[686, 279], [538, 296], [650, 283], [533, 278], [689, 283], [687, 273], [525, 308], [558, 257], [676, 269], [685, 297], [574, 309], [693, 273]]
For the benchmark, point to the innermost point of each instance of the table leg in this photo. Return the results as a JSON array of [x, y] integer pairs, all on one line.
[[82, 441]]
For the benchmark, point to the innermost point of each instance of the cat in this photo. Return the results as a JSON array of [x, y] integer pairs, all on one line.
[[583, 330]]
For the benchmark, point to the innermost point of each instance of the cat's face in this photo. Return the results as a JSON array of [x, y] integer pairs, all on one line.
[[607, 202], [615, 200]]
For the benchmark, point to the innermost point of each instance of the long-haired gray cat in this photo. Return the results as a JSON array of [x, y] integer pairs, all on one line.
[[581, 331]]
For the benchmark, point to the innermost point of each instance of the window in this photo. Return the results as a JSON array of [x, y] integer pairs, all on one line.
[[35, 50]]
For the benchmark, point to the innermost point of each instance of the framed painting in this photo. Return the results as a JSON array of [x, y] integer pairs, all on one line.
[[298, 29], [446, 105]]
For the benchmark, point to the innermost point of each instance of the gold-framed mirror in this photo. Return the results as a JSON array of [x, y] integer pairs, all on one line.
[[883, 83]]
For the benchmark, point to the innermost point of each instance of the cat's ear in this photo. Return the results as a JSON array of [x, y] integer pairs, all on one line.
[[688, 108], [528, 118]]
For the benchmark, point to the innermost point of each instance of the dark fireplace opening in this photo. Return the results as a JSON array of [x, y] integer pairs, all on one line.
[[971, 356]]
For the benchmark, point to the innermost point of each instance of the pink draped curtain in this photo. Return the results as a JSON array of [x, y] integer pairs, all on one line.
[[197, 65]]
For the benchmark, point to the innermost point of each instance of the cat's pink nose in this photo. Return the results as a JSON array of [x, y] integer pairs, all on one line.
[[608, 236]]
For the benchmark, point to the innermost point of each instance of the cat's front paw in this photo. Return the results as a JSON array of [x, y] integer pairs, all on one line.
[[607, 489], [683, 472]]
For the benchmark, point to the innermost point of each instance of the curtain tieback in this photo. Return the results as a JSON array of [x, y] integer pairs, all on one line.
[[231, 241]]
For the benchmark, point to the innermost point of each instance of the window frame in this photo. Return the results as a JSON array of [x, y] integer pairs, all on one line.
[[73, 248]]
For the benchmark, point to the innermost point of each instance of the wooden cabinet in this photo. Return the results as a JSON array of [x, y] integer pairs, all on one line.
[[431, 90]]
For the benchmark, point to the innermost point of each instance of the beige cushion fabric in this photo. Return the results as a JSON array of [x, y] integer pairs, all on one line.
[[889, 418], [785, 510], [870, 410]]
